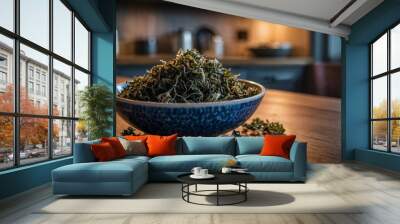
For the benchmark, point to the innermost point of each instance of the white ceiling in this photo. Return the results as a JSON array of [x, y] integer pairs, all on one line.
[[326, 16], [321, 9]]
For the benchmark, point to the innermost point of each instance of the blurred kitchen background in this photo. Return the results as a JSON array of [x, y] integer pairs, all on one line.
[[300, 69], [277, 56]]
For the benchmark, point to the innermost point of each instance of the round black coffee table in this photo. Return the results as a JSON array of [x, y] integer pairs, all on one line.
[[238, 179]]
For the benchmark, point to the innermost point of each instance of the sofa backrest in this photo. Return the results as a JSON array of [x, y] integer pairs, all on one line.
[[83, 152], [184, 145], [249, 145], [206, 145], [192, 146]]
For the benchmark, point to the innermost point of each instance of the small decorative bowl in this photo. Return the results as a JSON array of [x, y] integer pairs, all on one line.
[[188, 119]]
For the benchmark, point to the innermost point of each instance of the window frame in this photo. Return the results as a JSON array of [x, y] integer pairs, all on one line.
[[16, 114], [3, 71], [388, 74]]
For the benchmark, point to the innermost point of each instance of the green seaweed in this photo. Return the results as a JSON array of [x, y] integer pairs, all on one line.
[[258, 127], [188, 78]]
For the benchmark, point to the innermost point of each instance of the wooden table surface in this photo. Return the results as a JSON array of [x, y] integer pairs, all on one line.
[[313, 119]]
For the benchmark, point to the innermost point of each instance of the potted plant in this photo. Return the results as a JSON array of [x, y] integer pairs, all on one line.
[[96, 102]]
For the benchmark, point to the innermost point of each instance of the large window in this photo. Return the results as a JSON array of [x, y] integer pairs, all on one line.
[[44, 64], [385, 91]]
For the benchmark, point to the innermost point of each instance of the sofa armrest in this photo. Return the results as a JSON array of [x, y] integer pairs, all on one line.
[[83, 152], [298, 155]]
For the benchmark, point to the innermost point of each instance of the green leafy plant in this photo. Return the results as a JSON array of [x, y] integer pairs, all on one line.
[[259, 127], [129, 131], [188, 78], [96, 102]]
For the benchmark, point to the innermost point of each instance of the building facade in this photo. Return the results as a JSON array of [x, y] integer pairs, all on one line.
[[34, 81]]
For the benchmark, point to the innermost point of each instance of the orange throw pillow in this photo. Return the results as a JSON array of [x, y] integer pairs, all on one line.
[[277, 145], [135, 137], [116, 145], [103, 152], [161, 145]]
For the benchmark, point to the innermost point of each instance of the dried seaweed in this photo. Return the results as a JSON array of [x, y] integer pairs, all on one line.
[[258, 127], [188, 78]]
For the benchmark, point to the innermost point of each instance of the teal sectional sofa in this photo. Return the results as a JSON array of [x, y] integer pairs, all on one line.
[[125, 176]]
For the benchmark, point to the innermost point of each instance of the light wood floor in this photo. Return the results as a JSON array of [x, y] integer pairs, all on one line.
[[379, 190], [313, 119]]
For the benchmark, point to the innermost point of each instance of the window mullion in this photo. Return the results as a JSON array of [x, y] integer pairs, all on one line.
[[73, 82], [16, 85], [371, 140], [89, 53], [50, 81], [389, 101]]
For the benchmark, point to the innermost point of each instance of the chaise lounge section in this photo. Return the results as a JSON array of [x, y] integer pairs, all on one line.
[[88, 177], [125, 176]]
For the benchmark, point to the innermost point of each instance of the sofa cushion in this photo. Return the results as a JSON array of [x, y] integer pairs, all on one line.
[[185, 163], [83, 152], [135, 137], [161, 145], [257, 163], [134, 147], [112, 171], [132, 158], [103, 152], [277, 145], [116, 145], [208, 145], [249, 145]]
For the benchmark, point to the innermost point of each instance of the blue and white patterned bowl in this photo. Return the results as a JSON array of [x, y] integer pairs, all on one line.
[[188, 119]]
